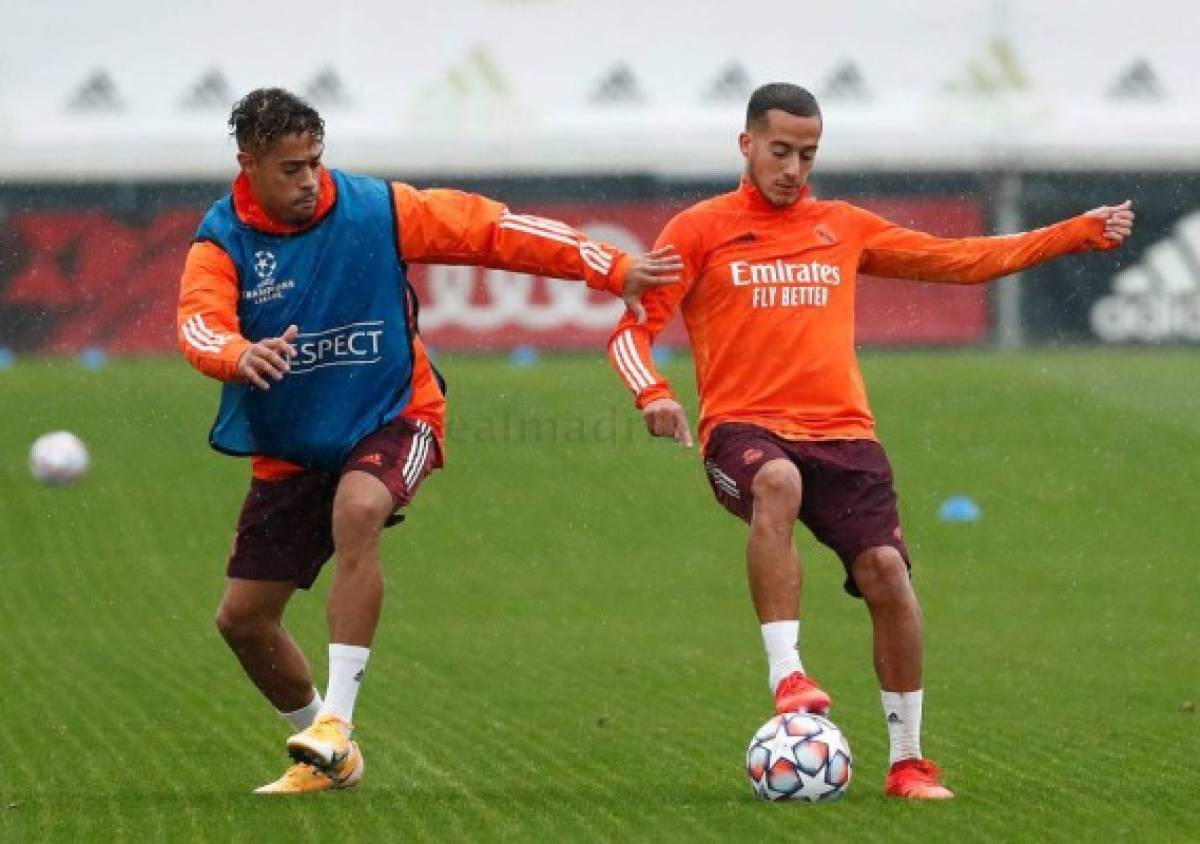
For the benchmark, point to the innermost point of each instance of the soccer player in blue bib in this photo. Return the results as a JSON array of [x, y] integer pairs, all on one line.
[[296, 295]]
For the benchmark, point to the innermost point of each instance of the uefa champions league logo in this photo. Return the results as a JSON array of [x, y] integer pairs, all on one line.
[[268, 288], [264, 265]]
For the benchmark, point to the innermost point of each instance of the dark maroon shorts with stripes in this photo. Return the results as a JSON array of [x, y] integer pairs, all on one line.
[[285, 531], [847, 497]]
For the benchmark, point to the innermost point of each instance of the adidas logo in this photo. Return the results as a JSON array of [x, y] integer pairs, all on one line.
[[97, 93], [327, 88], [846, 82], [473, 88], [1137, 82], [1158, 299], [732, 84], [995, 69], [359, 675], [619, 85], [210, 91], [893, 718]]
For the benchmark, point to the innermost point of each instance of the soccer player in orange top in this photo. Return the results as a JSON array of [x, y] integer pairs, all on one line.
[[295, 294], [768, 301]]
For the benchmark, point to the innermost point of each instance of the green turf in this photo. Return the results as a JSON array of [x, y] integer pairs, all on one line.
[[568, 650]]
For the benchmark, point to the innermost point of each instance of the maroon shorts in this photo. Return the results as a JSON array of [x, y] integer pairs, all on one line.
[[285, 530], [847, 498]]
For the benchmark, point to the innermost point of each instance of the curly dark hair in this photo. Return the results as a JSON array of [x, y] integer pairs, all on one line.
[[267, 114]]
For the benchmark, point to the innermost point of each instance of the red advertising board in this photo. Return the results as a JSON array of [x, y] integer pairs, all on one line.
[[83, 278], [76, 279], [897, 313]]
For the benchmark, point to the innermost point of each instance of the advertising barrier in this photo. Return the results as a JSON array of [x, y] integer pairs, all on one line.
[[98, 266], [81, 272], [1148, 292]]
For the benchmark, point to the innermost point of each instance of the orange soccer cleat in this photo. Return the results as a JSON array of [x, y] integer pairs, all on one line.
[[797, 693], [303, 777], [916, 779], [324, 745]]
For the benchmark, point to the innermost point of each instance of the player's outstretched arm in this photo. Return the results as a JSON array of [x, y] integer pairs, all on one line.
[[896, 252], [453, 227]]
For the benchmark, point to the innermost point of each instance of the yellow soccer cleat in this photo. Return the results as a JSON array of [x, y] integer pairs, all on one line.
[[324, 745], [303, 777]]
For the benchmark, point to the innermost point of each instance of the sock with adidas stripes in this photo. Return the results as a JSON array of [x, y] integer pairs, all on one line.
[[347, 664], [903, 713]]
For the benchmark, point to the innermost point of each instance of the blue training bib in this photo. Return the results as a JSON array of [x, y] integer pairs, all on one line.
[[343, 283]]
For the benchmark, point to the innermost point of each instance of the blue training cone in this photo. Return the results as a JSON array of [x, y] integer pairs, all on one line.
[[959, 508], [93, 357], [523, 356]]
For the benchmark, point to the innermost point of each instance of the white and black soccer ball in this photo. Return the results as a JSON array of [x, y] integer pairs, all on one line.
[[799, 756], [58, 459]]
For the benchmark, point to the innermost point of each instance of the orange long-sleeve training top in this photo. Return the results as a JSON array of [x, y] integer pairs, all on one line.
[[768, 302], [434, 227]]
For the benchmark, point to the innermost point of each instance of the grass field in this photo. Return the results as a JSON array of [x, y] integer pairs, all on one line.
[[568, 650]]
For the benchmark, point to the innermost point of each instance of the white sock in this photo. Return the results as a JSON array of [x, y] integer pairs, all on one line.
[[347, 664], [903, 713], [303, 717], [781, 640]]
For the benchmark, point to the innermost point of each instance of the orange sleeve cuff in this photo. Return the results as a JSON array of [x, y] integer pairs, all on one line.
[[651, 394], [615, 283], [1091, 232], [225, 366]]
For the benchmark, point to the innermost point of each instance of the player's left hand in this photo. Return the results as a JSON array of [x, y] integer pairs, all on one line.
[[666, 417], [1118, 220], [662, 266]]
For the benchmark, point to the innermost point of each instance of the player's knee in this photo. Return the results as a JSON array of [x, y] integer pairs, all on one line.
[[777, 488], [238, 623], [881, 575], [358, 517]]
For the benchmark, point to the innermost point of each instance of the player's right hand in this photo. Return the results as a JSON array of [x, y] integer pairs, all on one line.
[[662, 266], [666, 418], [268, 358], [1118, 220]]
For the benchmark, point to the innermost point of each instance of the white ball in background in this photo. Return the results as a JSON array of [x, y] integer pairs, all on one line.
[[58, 459]]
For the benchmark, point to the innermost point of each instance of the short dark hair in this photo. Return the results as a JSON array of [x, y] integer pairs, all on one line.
[[781, 95], [267, 114]]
